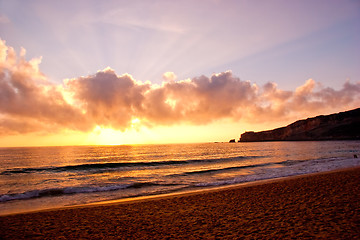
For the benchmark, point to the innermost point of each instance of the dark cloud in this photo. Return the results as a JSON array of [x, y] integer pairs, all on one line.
[[29, 103]]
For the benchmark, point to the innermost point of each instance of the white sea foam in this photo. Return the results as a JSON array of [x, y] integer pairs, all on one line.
[[294, 168], [73, 175]]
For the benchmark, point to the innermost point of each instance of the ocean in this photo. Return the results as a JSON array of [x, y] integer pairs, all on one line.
[[36, 178]]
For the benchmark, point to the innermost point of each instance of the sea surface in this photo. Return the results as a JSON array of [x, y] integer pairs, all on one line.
[[34, 178]]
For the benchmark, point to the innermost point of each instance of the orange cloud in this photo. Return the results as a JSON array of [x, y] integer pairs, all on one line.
[[199, 100], [107, 99], [307, 100], [30, 103]]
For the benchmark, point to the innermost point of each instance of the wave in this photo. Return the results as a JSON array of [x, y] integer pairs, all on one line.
[[227, 169], [301, 167], [75, 190], [117, 165], [315, 165], [285, 163]]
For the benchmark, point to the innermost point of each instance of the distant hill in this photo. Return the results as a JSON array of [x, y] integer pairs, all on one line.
[[338, 126]]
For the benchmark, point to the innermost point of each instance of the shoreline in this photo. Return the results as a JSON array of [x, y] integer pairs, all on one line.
[[180, 193], [198, 191], [320, 205]]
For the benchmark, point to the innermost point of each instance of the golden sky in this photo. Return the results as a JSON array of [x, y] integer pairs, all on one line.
[[174, 71], [106, 108]]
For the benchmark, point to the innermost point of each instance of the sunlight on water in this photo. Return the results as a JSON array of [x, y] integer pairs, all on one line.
[[35, 178]]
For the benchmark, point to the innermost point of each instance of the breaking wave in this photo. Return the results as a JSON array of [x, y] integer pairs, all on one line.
[[75, 190], [117, 165]]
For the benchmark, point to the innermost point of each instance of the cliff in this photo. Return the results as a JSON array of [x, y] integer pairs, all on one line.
[[339, 126]]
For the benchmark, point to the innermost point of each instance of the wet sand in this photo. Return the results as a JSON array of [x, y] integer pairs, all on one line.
[[320, 206]]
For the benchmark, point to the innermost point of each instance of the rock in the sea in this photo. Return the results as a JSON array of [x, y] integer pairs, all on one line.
[[338, 126]]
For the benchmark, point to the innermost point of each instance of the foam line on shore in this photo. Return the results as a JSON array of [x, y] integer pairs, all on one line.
[[323, 205], [183, 192]]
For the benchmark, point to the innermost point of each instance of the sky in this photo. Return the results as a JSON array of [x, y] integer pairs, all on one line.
[[139, 72]]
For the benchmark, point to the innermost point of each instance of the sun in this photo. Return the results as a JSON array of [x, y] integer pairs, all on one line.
[[135, 121], [105, 136]]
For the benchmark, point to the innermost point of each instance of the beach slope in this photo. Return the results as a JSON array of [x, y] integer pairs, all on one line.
[[323, 205]]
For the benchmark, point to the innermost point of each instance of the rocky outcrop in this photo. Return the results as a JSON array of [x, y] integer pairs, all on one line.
[[339, 126]]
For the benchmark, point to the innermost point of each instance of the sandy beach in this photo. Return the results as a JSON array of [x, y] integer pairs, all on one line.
[[321, 206]]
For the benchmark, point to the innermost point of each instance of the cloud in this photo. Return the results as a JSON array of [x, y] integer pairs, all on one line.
[[199, 100], [30, 103], [107, 99], [169, 76], [307, 100]]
